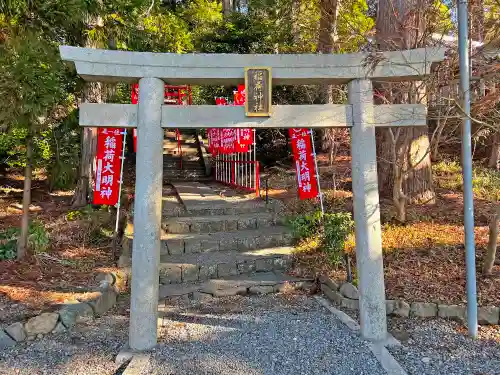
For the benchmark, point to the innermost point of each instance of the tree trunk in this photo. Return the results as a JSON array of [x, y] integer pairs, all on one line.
[[92, 93], [326, 40], [400, 25], [22, 243], [491, 250], [227, 7], [494, 161]]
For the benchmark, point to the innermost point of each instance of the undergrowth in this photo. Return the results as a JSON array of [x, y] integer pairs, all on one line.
[[328, 233], [485, 181], [38, 240]]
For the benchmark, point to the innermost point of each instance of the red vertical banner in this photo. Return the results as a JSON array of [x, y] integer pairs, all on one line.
[[108, 166], [135, 100], [304, 163], [221, 101], [244, 136], [239, 96], [214, 145]]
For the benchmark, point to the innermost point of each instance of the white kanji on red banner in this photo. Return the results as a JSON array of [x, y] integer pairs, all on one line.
[[304, 163], [107, 179]]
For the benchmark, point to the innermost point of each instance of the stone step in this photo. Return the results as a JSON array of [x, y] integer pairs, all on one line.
[[204, 266], [176, 167], [174, 179], [243, 207], [220, 223], [174, 162], [183, 174], [258, 283], [243, 240]]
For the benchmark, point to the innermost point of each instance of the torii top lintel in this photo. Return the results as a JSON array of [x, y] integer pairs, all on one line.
[[228, 69]]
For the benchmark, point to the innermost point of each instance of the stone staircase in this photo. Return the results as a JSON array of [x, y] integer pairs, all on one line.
[[213, 245], [193, 168]]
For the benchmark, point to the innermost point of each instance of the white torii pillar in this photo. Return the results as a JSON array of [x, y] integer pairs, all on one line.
[[147, 216]]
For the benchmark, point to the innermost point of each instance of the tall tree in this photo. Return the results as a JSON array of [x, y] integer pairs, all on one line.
[[404, 163], [326, 43], [32, 86]]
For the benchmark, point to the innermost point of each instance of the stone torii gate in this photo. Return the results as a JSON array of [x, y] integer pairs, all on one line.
[[153, 70]]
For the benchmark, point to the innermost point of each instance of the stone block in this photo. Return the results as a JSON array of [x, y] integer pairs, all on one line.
[[233, 291], [75, 313], [271, 240], [60, 328], [263, 222], [170, 275], [305, 285], [247, 223], [231, 225], [228, 243], [332, 295], [105, 277], [178, 227], [190, 273], [390, 305], [208, 272], [454, 312], [5, 340], [328, 282], [208, 226], [261, 289], [488, 315], [192, 246], [401, 308], [105, 301], [348, 303], [227, 269], [350, 291], [202, 297], [209, 246], [174, 247], [43, 323], [287, 238], [263, 265], [282, 263], [246, 267], [245, 244], [423, 309], [16, 331]]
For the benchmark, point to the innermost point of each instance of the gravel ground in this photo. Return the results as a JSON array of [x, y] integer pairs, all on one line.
[[442, 347], [275, 334], [90, 349]]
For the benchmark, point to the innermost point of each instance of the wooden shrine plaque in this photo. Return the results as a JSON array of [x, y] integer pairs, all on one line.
[[258, 89]]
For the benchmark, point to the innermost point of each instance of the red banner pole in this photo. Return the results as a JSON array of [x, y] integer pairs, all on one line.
[[317, 172], [122, 157]]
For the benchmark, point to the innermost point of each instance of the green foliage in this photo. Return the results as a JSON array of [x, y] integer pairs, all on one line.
[[332, 232], [353, 25], [38, 240], [8, 243], [485, 181], [336, 229], [305, 226], [486, 184]]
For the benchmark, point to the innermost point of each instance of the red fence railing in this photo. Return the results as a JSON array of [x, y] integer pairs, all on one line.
[[239, 173]]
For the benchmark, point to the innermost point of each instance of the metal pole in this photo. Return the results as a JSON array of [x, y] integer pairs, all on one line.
[[118, 204], [317, 172], [470, 252], [255, 159]]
